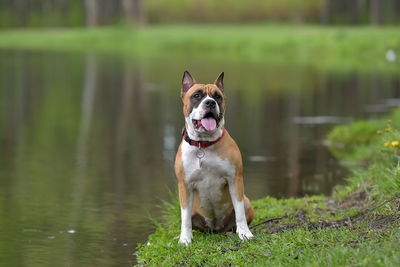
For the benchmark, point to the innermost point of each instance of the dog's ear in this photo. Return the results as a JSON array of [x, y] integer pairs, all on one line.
[[219, 82], [187, 82]]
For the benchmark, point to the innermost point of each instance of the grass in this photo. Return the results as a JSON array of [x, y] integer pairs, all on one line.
[[356, 226], [382, 177], [362, 48]]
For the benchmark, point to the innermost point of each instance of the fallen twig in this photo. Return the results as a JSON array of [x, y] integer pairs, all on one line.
[[267, 221]]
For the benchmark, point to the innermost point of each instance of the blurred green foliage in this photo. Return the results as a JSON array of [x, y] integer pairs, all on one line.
[[72, 13], [233, 10], [42, 13], [360, 141], [345, 139], [330, 47]]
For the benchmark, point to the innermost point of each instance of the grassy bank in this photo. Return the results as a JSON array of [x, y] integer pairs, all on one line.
[[358, 225], [362, 48]]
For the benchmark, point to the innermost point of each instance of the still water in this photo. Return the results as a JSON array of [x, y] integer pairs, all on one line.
[[87, 144]]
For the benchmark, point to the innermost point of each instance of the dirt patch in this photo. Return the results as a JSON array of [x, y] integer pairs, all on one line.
[[385, 220], [275, 225], [358, 199]]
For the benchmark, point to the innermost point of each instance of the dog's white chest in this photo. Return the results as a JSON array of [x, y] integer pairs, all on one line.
[[209, 166], [209, 175]]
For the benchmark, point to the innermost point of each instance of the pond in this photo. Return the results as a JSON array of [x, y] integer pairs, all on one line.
[[88, 143]]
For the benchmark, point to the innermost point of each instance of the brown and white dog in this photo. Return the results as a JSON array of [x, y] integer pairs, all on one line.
[[209, 166]]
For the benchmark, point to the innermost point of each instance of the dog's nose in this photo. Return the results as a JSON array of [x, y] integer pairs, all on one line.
[[210, 103]]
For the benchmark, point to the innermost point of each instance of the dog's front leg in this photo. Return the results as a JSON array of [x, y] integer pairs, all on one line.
[[237, 196], [186, 201]]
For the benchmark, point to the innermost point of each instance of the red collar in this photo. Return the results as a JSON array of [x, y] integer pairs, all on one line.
[[202, 144]]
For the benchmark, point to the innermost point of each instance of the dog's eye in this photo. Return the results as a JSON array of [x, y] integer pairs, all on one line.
[[217, 97], [196, 95]]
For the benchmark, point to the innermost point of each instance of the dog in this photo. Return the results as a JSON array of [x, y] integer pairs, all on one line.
[[208, 165]]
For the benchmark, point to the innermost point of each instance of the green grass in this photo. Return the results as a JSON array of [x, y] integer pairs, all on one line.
[[361, 140], [360, 245], [382, 177], [345, 48], [288, 239]]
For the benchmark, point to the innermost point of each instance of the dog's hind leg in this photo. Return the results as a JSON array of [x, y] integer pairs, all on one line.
[[249, 210]]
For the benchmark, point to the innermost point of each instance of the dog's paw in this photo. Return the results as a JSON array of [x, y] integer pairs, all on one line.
[[244, 232], [185, 239]]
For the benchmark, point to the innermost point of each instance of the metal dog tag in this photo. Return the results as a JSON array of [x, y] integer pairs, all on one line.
[[200, 153]]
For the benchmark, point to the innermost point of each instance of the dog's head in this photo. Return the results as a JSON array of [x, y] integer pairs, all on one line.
[[203, 107]]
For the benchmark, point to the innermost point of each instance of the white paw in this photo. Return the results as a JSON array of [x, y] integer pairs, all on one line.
[[185, 239], [243, 232]]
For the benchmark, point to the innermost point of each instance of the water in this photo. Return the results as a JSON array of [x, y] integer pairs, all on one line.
[[88, 144]]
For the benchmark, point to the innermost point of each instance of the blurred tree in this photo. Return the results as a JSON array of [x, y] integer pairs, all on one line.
[[134, 12], [92, 13], [392, 11], [21, 8], [325, 12], [67, 13], [376, 11], [110, 11], [354, 11]]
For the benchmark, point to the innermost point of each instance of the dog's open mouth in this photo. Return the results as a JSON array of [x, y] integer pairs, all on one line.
[[209, 122]]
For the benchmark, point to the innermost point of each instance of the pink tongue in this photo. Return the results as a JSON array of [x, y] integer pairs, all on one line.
[[209, 123]]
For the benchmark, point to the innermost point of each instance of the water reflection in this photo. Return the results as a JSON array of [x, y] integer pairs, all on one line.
[[88, 144]]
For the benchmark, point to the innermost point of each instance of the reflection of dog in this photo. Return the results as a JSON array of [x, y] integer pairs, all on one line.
[[208, 165]]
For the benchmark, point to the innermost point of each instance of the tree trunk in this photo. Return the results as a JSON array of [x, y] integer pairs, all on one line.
[[376, 12], [22, 10], [354, 10], [392, 11], [326, 12], [92, 13], [133, 12]]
